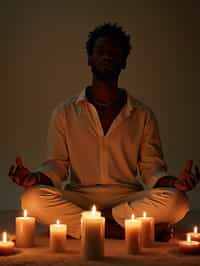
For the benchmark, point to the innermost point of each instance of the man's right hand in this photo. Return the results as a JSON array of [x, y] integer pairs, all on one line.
[[21, 175]]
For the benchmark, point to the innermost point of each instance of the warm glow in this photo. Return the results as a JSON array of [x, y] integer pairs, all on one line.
[[93, 210], [195, 229], [144, 214], [4, 237], [57, 221], [132, 217], [188, 238], [25, 213]]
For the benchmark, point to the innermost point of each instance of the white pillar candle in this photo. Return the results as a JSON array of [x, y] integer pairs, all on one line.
[[147, 230], [92, 235], [6, 247], [25, 230], [58, 235], [133, 235]]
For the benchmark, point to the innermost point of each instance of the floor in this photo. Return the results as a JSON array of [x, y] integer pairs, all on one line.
[[115, 252]]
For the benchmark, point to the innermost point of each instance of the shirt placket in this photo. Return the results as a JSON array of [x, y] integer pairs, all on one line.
[[94, 118], [103, 159]]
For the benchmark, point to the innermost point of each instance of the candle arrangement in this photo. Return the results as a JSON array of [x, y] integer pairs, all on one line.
[[139, 233]]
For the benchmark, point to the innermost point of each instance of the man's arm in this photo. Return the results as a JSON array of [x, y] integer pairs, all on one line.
[[55, 167], [54, 170], [152, 166], [150, 160]]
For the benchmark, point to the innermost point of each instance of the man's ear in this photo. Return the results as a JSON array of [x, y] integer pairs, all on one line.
[[89, 60], [124, 64]]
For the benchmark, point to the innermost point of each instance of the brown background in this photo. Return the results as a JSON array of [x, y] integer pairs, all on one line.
[[43, 61]]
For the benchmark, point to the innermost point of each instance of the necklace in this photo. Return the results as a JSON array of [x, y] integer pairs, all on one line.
[[100, 104], [107, 105]]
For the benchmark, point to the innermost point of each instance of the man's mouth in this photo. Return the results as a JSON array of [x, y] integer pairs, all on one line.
[[106, 64]]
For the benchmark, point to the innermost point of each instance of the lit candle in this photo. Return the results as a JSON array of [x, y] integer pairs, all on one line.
[[6, 247], [147, 230], [92, 235], [133, 235], [195, 235], [88, 213], [58, 235], [189, 246], [25, 230]]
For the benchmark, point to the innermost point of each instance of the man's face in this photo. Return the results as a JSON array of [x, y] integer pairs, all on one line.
[[107, 59]]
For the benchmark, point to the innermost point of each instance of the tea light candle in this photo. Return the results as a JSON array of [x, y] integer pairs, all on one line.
[[25, 230], [147, 230], [92, 235], [6, 247], [58, 235], [133, 235], [189, 246], [195, 235]]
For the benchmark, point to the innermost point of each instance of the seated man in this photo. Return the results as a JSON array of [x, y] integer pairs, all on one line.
[[99, 141]]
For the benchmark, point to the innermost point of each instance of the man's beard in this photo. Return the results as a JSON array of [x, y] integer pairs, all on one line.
[[105, 75]]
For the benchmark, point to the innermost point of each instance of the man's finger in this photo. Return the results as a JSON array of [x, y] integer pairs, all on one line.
[[11, 170], [19, 162], [191, 182], [188, 165]]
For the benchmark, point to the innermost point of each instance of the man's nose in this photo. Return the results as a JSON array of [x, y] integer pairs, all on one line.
[[107, 55]]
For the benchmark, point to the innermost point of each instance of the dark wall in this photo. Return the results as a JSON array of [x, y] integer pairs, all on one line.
[[43, 61]]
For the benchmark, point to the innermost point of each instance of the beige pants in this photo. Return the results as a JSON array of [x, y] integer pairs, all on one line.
[[48, 204]]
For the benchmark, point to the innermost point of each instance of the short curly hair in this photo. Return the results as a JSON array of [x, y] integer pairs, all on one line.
[[114, 32]]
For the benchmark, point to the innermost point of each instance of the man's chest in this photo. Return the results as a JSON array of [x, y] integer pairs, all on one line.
[[107, 117]]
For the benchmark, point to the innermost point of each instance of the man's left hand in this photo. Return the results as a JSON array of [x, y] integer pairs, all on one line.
[[187, 180]]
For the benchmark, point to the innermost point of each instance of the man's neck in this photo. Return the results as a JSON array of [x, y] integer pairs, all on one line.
[[104, 91]]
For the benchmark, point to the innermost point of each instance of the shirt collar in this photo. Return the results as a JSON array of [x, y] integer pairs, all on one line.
[[132, 103], [82, 97]]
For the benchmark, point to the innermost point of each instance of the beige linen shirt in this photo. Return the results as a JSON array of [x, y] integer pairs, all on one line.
[[77, 146]]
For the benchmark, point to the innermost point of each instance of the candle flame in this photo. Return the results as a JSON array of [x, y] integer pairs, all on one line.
[[25, 213], [188, 238], [144, 214], [4, 236], [57, 221], [195, 229], [93, 210], [133, 217]]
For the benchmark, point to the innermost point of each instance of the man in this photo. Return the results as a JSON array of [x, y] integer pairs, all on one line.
[[100, 140]]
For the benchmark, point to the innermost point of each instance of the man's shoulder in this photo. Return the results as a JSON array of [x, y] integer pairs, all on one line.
[[139, 105], [66, 104]]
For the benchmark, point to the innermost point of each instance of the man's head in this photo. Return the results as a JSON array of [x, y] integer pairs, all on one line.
[[108, 47]]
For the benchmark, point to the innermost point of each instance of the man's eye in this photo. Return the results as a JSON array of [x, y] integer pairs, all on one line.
[[100, 52]]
